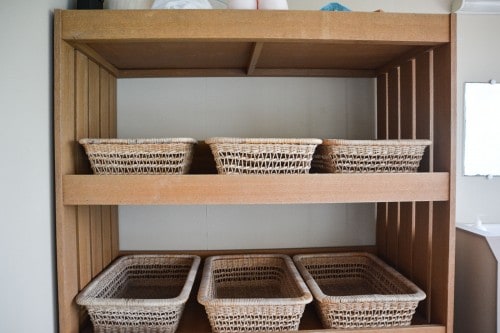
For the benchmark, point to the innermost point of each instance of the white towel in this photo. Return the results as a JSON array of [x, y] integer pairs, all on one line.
[[181, 4]]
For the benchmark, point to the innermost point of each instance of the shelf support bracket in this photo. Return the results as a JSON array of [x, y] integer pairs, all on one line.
[[257, 49]]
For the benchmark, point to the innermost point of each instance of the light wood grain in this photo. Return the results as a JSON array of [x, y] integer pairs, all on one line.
[[382, 133], [104, 115], [394, 132], [234, 25], [423, 215], [408, 131], [286, 251], [415, 212], [235, 72], [253, 189], [95, 132], [443, 248], [115, 247], [82, 131], [256, 51], [425, 105], [222, 43], [64, 152], [422, 252]]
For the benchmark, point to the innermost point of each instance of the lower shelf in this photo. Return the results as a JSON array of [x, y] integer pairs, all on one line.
[[194, 320]]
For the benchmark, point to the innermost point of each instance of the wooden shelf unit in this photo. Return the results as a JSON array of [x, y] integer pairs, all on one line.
[[411, 56]]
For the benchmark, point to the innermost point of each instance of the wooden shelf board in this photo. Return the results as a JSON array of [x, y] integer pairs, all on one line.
[[286, 251], [254, 189], [148, 43], [194, 320]]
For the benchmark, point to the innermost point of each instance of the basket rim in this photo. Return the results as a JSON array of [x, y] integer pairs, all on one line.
[[235, 140], [89, 141], [84, 299], [417, 295], [205, 299], [383, 142]]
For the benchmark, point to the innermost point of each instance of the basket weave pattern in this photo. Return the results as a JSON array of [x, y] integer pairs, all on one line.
[[356, 290], [253, 293], [263, 156], [142, 293], [139, 156], [350, 156]]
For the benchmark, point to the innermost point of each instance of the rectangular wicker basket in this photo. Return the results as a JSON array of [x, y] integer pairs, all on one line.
[[351, 156], [356, 290], [140, 293], [139, 156], [246, 293], [262, 155]]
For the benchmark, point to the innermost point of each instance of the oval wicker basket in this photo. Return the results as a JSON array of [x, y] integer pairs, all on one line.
[[262, 155], [140, 293], [139, 156], [357, 290], [248, 293], [351, 156]]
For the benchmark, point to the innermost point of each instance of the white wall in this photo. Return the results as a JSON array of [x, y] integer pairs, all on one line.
[[478, 48], [477, 58], [27, 279]]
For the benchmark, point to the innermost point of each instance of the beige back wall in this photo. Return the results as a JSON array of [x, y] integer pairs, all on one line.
[[247, 107]]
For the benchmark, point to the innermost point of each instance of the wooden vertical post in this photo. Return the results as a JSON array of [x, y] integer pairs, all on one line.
[[65, 150]]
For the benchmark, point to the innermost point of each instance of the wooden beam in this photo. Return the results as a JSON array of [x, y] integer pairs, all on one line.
[[257, 26], [257, 49], [64, 153], [236, 72], [254, 189]]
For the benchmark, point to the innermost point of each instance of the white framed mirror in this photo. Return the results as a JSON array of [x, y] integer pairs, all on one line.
[[482, 129]]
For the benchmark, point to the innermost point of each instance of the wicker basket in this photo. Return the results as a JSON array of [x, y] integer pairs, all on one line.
[[262, 156], [350, 156], [139, 156], [140, 293], [355, 290], [244, 293]]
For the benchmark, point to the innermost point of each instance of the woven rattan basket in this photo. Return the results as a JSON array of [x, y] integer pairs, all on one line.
[[140, 293], [350, 156], [355, 290], [262, 156], [139, 156], [245, 293]]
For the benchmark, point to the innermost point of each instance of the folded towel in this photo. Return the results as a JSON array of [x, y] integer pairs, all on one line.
[[335, 7], [181, 4]]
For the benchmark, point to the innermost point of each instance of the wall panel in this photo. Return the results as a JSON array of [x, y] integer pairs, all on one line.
[[423, 215], [394, 132], [382, 133], [444, 160], [65, 150], [407, 131], [104, 112], [87, 236], [82, 131]]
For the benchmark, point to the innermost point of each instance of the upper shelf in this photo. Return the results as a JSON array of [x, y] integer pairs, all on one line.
[[142, 43], [254, 189]]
